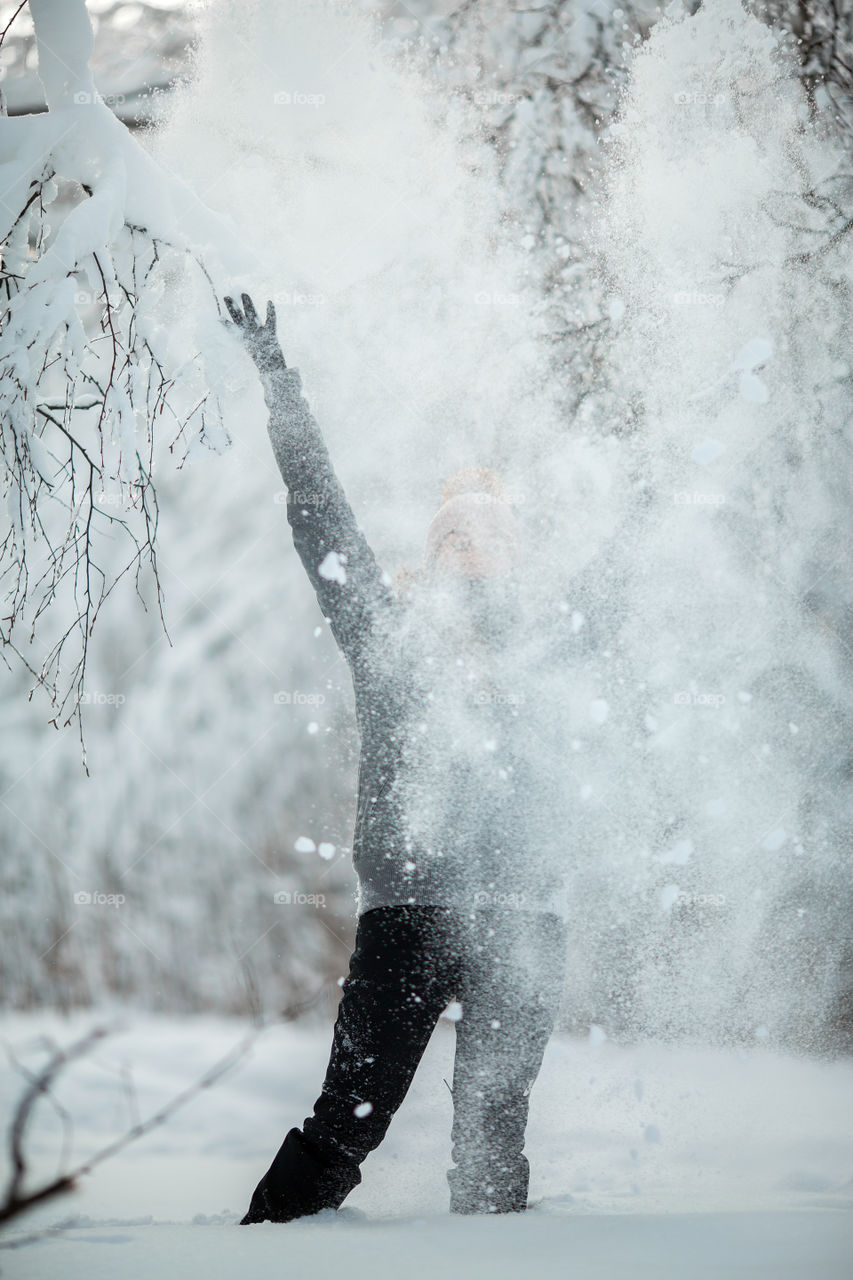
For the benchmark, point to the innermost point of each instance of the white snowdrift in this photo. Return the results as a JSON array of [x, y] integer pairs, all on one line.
[[649, 1160]]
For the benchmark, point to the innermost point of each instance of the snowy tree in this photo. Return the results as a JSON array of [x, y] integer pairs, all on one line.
[[99, 246]]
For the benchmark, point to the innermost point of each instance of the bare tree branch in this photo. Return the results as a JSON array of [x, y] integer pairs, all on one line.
[[16, 1201]]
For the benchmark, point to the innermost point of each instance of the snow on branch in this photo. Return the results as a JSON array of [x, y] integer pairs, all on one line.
[[110, 342]]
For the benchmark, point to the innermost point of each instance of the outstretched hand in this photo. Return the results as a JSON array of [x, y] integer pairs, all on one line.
[[260, 339]]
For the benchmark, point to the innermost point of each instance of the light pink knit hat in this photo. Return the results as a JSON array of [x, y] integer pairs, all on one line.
[[473, 503]]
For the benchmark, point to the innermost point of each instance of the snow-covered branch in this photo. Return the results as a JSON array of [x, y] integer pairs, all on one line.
[[109, 342]]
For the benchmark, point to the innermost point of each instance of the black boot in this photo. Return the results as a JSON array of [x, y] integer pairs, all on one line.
[[263, 1209], [302, 1179]]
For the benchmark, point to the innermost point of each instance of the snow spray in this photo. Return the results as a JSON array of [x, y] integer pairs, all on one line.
[[716, 784], [699, 700]]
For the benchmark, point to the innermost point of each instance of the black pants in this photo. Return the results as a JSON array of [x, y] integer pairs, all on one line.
[[505, 967]]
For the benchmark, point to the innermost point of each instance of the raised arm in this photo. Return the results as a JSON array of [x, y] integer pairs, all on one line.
[[350, 586]]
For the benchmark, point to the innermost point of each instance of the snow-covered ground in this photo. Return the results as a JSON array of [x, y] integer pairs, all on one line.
[[647, 1160]]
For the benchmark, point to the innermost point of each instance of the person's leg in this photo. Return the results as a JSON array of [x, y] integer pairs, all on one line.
[[510, 998], [400, 979]]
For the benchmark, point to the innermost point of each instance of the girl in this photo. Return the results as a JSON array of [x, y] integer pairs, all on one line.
[[458, 863]]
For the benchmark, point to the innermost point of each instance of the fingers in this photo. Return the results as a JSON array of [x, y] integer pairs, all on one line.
[[248, 318], [234, 312]]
